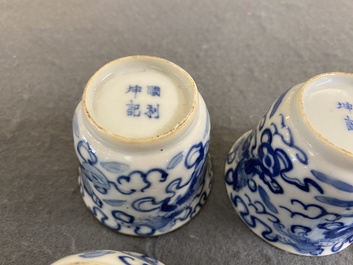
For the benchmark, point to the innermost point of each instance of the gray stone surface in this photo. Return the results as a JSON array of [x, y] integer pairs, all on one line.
[[242, 54]]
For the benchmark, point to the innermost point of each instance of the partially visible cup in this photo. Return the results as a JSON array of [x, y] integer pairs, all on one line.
[[107, 257], [141, 134], [291, 178]]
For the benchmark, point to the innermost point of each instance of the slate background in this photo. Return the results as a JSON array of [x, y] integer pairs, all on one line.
[[242, 55]]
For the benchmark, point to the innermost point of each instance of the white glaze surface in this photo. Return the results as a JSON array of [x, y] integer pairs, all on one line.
[[141, 98], [328, 104], [140, 103]]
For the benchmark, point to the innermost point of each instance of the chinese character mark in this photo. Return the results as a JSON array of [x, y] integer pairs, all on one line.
[[349, 123], [154, 91], [134, 89], [345, 105], [133, 109], [152, 112]]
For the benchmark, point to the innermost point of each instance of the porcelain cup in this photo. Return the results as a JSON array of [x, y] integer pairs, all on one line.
[[141, 134], [291, 178], [107, 257]]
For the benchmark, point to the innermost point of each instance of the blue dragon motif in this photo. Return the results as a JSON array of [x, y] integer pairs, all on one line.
[[165, 212], [260, 164]]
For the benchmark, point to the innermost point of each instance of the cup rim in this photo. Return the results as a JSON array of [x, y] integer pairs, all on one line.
[[134, 140], [302, 111]]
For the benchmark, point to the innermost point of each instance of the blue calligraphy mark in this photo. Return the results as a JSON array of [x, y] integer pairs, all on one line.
[[345, 105], [349, 123], [133, 110], [152, 111], [154, 91], [338, 184], [134, 89]]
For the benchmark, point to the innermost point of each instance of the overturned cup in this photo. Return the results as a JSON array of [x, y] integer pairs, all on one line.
[[141, 134], [291, 178]]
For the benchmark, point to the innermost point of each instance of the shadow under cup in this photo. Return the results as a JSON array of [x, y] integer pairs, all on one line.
[[141, 134], [290, 179]]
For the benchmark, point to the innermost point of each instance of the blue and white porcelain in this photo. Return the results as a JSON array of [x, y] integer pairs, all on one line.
[[107, 257], [141, 134], [291, 178]]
